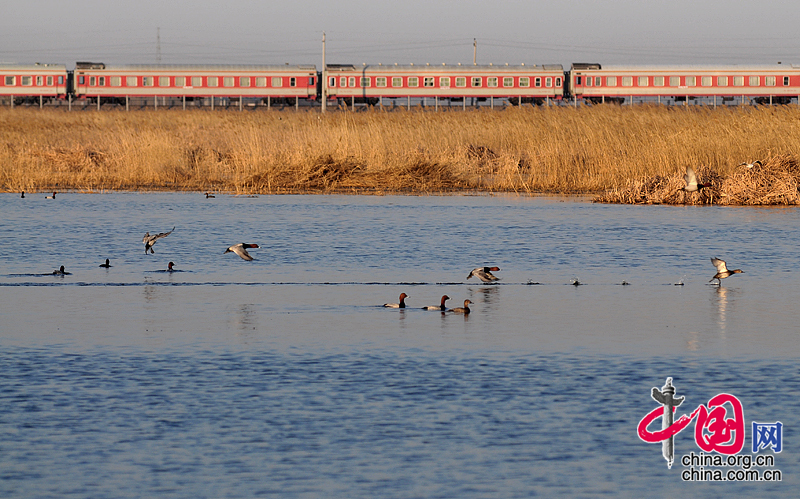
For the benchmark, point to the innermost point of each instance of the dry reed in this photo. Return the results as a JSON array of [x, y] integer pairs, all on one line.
[[558, 150]]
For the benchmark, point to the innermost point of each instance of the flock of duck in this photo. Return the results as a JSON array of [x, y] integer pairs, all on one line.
[[482, 273]]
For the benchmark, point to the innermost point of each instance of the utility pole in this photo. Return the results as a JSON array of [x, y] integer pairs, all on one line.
[[474, 51], [324, 81]]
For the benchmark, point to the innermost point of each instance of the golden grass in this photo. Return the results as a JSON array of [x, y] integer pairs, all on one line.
[[557, 150]]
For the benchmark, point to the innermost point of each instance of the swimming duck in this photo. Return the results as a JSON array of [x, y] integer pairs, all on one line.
[[209, 195], [461, 310], [722, 270], [691, 181], [169, 267], [241, 250], [149, 240], [751, 165], [22, 195], [402, 303], [107, 264], [61, 271], [440, 307], [51, 197], [485, 274]]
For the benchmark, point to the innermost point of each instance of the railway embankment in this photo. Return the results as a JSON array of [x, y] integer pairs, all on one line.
[[630, 154]]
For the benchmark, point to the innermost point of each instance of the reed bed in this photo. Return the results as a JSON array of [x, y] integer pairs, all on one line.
[[607, 150]]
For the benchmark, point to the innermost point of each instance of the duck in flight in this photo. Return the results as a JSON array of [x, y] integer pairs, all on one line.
[[485, 274], [691, 181], [440, 307], [751, 165], [241, 250], [722, 270], [462, 310], [149, 240], [107, 264], [402, 303]]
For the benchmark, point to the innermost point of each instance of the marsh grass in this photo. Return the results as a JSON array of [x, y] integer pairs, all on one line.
[[603, 150]]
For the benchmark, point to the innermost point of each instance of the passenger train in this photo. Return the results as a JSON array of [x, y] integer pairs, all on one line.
[[395, 84]]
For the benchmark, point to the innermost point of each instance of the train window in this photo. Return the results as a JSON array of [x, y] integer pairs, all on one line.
[[577, 80], [476, 81], [754, 81], [461, 81], [180, 81], [101, 81], [596, 81], [627, 81], [643, 81], [92, 81], [39, 81], [277, 81], [674, 81], [397, 81], [491, 81], [163, 81], [524, 82], [705, 81], [244, 81], [769, 81], [508, 81], [11, 81], [131, 81], [722, 81], [27, 80], [558, 81], [738, 81], [444, 82], [588, 81], [115, 81], [691, 81], [427, 81], [413, 81], [148, 81], [213, 81], [332, 82], [342, 81], [548, 82], [351, 81], [292, 81], [611, 81], [365, 81], [227, 81], [60, 80], [538, 81], [785, 81], [658, 81], [197, 81], [380, 81], [261, 81], [310, 81], [49, 81]]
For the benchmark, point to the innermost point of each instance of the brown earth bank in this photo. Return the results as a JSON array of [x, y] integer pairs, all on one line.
[[627, 154]]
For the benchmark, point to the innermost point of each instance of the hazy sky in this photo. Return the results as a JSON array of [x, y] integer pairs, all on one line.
[[382, 31]]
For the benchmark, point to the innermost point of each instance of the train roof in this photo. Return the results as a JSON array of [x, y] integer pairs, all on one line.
[[196, 67], [467, 68], [689, 67], [32, 67]]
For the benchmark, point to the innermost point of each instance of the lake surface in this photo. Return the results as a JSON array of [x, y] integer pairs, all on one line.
[[285, 377]]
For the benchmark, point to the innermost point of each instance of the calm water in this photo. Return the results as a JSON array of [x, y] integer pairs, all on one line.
[[285, 377]]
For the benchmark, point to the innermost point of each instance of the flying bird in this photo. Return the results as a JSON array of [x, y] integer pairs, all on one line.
[[722, 270], [149, 240], [485, 274], [241, 250], [461, 310], [751, 165], [402, 303], [440, 307], [691, 181]]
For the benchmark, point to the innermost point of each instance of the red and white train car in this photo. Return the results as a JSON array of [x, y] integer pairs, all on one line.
[[33, 80], [368, 82], [616, 83], [99, 80]]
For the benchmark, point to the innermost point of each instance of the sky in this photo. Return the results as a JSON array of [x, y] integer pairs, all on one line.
[[610, 32]]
